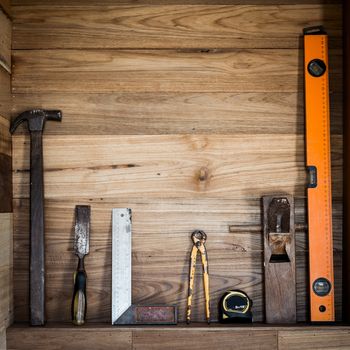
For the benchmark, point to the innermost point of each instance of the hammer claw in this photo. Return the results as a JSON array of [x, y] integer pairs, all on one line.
[[55, 115]]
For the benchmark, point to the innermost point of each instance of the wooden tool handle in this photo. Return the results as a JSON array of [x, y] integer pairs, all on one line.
[[79, 296]]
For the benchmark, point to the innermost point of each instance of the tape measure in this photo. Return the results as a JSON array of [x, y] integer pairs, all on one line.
[[319, 167], [235, 307]]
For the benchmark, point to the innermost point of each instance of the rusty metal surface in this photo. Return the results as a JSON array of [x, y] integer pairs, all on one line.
[[279, 228], [36, 119], [155, 314], [279, 215], [198, 238], [81, 248], [148, 315], [82, 230]]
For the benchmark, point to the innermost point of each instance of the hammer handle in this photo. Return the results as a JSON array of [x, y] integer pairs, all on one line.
[[37, 251], [79, 295]]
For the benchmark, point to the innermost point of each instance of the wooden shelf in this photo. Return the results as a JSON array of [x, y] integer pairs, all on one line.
[[195, 336], [183, 326]]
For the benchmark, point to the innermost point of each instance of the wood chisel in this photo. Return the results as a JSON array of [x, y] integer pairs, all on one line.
[[81, 249]]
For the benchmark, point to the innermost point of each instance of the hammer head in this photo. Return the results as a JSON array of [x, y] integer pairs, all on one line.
[[36, 119]]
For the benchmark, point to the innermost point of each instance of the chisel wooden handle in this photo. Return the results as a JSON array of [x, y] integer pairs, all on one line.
[[79, 295]]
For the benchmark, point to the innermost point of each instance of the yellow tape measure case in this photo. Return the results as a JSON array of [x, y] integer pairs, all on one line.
[[235, 307]]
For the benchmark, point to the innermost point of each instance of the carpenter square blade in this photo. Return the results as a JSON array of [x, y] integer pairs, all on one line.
[[121, 262], [82, 230]]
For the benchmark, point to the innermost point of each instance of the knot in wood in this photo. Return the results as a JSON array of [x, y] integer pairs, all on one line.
[[203, 174]]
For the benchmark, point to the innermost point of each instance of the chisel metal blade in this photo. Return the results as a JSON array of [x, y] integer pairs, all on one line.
[[82, 230]]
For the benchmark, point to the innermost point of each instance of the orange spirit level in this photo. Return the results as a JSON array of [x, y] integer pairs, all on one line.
[[319, 166]]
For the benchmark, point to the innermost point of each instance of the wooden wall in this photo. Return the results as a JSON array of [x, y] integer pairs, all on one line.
[[5, 174], [346, 229], [185, 112]]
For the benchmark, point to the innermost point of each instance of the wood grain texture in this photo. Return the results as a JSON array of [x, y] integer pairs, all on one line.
[[279, 259], [89, 71], [5, 41], [188, 166], [58, 339], [5, 93], [6, 283], [3, 338], [5, 167], [205, 339], [186, 181], [165, 2], [318, 340], [171, 26], [159, 275], [5, 137], [175, 113], [178, 337], [6, 6], [5, 270]]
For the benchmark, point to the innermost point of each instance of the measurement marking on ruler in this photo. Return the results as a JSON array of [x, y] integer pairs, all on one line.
[[121, 261], [318, 156]]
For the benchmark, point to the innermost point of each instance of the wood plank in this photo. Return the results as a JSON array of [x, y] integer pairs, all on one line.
[[5, 41], [3, 338], [280, 278], [5, 184], [59, 338], [171, 26], [193, 334], [320, 339], [5, 167], [5, 270], [163, 71], [205, 339], [165, 2], [217, 214], [5, 137], [159, 276], [188, 166], [175, 113], [5, 93]]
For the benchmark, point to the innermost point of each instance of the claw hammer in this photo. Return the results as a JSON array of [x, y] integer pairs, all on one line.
[[36, 120]]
